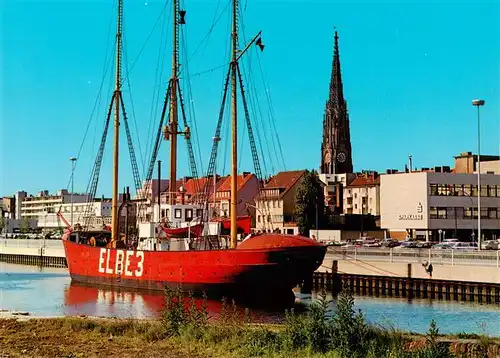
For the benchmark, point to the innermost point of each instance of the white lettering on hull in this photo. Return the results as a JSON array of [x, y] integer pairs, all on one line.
[[127, 262], [119, 262]]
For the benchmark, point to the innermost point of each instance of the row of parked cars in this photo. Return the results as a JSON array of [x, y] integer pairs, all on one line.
[[447, 244]]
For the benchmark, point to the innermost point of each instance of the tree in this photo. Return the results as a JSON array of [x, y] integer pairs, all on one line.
[[309, 200], [25, 225], [2, 223]]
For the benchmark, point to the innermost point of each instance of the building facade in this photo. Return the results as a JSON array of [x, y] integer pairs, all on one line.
[[336, 152], [19, 197], [466, 163], [362, 195], [334, 186], [248, 189], [276, 205], [435, 205], [8, 209], [34, 207]]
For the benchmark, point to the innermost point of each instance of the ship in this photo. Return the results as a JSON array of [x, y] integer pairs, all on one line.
[[172, 255]]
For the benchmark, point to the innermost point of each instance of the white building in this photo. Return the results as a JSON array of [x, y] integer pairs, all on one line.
[[362, 195], [19, 198], [276, 205], [439, 205], [34, 207], [492, 166], [97, 212]]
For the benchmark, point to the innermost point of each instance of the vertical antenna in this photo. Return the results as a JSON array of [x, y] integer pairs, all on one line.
[[173, 106], [116, 141], [234, 102]]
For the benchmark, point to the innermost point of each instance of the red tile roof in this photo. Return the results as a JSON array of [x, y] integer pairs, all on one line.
[[284, 181], [224, 184], [192, 186], [365, 180]]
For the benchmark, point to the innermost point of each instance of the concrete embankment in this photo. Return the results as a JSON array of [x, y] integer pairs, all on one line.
[[33, 252], [479, 282], [475, 273]]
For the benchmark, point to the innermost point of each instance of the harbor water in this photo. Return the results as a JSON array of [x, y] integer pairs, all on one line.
[[49, 292]]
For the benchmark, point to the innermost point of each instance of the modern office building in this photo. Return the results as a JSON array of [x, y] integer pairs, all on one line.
[[437, 205]]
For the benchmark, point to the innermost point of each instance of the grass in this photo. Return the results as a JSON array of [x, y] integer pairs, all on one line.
[[186, 330]]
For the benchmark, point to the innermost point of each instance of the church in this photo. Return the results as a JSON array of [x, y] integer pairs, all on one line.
[[336, 152]]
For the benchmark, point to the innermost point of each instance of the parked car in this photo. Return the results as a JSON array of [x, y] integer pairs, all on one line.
[[408, 245], [464, 246], [442, 246], [492, 245], [389, 242]]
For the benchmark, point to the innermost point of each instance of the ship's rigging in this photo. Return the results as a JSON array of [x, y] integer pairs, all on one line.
[[235, 74]]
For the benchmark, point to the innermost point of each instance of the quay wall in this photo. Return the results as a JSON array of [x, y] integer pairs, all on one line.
[[33, 252], [469, 273]]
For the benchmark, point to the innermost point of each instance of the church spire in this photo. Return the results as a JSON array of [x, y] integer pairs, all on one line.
[[336, 152], [336, 88]]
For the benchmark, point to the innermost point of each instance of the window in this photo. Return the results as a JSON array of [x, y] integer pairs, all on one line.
[[438, 213], [484, 213], [492, 213], [474, 190], [484, 190], [178, 213], [491, 191], [467, 190], [459, 189], [443, 190], [498, 191], [189, 214], [199, 212], [258, 218]]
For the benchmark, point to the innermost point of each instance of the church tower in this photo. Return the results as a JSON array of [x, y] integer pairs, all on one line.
[[336, 153]]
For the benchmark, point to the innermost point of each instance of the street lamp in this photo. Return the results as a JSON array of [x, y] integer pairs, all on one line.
[[73, 163], [478, 103]]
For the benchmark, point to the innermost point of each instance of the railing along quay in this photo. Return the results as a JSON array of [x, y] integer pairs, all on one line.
[[408, 287], [414, 255]]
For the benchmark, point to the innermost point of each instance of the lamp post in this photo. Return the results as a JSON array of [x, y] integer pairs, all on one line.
[[73, 163], [478, 103]]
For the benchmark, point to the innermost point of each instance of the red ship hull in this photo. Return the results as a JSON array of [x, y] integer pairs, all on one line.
[[270, 262]]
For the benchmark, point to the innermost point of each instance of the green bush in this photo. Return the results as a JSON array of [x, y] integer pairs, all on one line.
[[319, 332]]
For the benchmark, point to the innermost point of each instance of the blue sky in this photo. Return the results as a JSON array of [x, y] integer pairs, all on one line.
[[410, 71]]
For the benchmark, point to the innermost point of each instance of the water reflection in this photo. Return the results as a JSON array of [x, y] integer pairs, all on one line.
[[99, 301], [49, 292]]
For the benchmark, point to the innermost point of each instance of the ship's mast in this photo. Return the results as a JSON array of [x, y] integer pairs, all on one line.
[[234, 120], [173, 105], [116, 141]]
